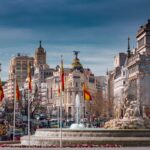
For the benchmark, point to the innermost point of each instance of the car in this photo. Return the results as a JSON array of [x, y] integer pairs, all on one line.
[[54, 123], [18, 134]]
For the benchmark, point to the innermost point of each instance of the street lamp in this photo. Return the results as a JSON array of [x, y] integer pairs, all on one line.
[[37, 118], [0, 67]]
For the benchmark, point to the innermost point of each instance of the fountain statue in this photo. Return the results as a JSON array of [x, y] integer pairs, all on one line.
[[131, 116], [132, 119]]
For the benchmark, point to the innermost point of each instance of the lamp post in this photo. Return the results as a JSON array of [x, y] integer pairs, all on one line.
[[37, 118], [30, 97], [0, 67], [14, 114]]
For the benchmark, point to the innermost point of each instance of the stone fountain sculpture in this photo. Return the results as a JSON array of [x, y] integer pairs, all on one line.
[[131, 119]]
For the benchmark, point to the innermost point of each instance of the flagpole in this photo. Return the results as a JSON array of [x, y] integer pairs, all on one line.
[[29, 116], [29, 95], [14, 118], [61, 98]]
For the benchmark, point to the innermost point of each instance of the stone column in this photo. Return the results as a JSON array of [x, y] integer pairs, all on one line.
[[138, 89], [139, 95], [73, 104]]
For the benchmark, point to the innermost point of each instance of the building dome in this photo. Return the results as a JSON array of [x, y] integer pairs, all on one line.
[[76, 65]]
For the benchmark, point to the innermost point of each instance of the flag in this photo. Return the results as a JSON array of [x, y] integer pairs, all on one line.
[[62, 75], [1, 91], [17, 91], [86, 93], [29, 78]]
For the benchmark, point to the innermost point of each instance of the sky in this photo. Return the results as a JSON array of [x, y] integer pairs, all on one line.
[[97, 28]]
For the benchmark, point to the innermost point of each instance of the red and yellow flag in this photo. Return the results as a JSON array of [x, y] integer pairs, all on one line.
[[1, 91], [62, 75], [29, 78], [17, 91], [86, 93]]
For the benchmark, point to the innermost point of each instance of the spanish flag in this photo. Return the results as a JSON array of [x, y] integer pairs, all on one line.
[[1, 91], [17, 91], [86, 93], [29, 78], [62, 75]]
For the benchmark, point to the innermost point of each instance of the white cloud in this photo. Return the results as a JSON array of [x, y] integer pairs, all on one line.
[[15, 33]]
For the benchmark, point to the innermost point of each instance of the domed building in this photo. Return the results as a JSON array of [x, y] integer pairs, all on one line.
[[74, 78]]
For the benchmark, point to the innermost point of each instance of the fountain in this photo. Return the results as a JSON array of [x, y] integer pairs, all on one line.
[[78, 134], [77, 125]]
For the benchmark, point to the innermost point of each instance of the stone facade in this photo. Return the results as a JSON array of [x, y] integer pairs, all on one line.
[[131, 78], [110, 93], [74, 79], [17, 69]]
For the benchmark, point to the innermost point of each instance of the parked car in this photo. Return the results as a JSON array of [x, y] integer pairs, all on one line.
[[53, 123], [18, 134]]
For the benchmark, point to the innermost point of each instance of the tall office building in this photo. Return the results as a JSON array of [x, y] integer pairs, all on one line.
[[41, 72], [18, 68]]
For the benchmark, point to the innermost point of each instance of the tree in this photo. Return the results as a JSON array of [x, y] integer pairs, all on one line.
[[96, 107]]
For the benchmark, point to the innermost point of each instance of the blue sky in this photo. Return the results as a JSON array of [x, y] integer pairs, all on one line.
[[97, 28]]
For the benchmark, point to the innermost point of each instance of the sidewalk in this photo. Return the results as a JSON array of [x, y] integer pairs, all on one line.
[[121, 148]]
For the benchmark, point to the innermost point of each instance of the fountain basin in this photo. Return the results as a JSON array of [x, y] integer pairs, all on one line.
[[47, 137], [77, 126]]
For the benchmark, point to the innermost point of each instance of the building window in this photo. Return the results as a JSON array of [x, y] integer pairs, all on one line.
[[141, 42], [76, 84], [70, 93], [148, 39], [123, 72]]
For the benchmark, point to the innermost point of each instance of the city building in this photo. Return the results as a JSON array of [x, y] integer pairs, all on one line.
[[130, 78], [75, 77], [109, 90], [138, 65], [41, 71], [18, 69], [40, 56]]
